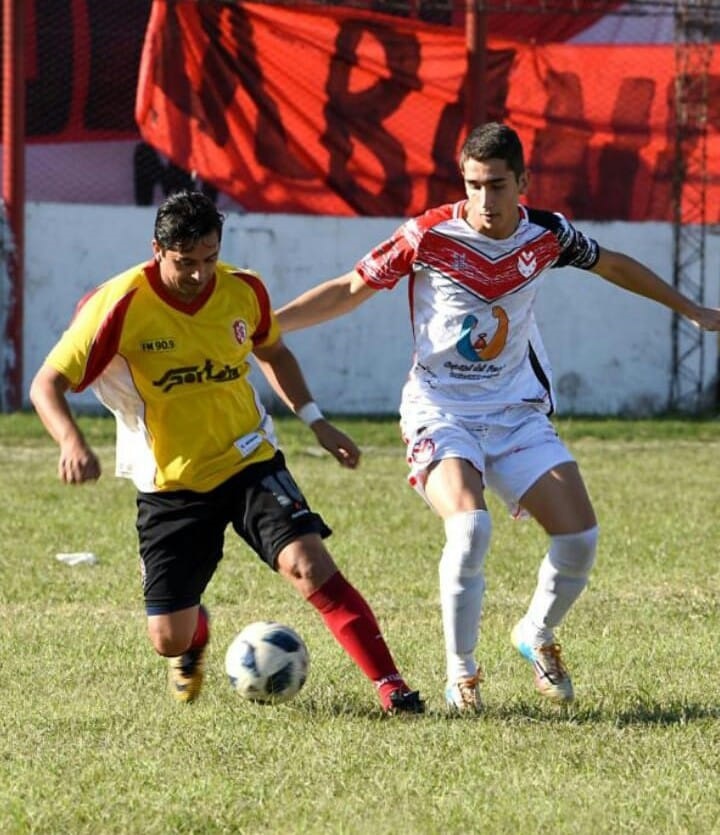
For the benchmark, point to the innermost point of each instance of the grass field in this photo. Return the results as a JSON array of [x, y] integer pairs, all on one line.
[[91, 743]]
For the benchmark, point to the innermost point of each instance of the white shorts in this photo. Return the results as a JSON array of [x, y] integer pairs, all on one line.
[[511, 448]]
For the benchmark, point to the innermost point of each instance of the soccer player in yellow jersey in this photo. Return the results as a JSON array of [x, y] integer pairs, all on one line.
[[165, 347]]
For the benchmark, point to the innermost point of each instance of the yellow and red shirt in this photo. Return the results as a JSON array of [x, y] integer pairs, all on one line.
[[174, 374]]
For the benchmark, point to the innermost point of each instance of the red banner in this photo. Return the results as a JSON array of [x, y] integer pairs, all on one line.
[[344, 112]]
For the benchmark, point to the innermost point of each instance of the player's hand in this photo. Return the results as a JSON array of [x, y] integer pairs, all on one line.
[[707, 318], [78, 463], [337, 443]]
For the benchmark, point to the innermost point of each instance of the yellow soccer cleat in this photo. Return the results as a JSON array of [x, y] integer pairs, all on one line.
[[187, 671]]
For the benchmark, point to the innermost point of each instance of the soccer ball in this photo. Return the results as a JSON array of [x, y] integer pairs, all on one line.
[[267, 662]]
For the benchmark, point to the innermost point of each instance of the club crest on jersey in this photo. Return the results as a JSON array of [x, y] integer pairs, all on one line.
[[423, 451], [240, 329], [526, 263]]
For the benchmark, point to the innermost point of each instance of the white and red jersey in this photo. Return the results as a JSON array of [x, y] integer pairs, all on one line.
[[476, 343], [174, 374]]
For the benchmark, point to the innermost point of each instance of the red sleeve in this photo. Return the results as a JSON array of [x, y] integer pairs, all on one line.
[[105, 343], [392, 260]]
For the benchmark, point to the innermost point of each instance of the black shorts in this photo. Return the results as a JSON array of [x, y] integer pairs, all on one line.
[[181, 532]]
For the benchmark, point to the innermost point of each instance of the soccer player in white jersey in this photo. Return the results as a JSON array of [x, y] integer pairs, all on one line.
[[165, 347], [475, 409]]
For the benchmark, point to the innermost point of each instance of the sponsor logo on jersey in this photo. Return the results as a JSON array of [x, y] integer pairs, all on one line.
[[479, 347], [193, 374], [165, 343], [240, 329]]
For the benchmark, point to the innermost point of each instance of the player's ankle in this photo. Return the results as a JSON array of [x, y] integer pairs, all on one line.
[[388, 685]]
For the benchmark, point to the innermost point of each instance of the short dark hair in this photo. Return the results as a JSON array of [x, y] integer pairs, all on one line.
[[185, 217], [494, 141]]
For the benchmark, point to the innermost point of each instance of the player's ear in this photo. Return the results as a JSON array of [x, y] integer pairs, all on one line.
[[157, 251], [524, 182]]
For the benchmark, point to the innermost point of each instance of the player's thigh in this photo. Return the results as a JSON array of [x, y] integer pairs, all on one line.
[[523, 447], [559, 500], [454, 485], [180, 536], [272, 511], [446, 461]]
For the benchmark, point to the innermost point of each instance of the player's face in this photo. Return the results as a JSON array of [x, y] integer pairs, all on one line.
[[187, 272], [493, 191]]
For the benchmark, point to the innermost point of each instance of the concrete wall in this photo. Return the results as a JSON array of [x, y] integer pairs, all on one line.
[[611, 352]]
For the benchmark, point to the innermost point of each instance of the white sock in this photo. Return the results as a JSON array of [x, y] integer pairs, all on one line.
[[562, 576], [462, 585]]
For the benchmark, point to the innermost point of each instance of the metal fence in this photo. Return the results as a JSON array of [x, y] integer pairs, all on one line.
[[82, 59]]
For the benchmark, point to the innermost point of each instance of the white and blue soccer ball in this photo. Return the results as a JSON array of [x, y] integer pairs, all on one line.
[[267, 662]]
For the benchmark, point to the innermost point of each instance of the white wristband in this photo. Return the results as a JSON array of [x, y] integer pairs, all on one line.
[[309, 413]]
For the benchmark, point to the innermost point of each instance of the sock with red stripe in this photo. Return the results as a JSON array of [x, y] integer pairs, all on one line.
[[351, 620], [202, 631]]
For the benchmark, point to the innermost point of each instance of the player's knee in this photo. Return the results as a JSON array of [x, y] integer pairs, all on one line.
[[573, 554], [306, 563], [167, 641], [467, 538]]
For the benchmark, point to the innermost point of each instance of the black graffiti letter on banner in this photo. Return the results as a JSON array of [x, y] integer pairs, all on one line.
[[356, 117], [690, 151], [216, 87], [224, 72], [171, 78], [619, 160], [50, 91], [116, 35], [445, 183], [560, 155]]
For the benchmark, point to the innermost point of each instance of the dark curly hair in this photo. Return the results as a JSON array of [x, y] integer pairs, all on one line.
[[184, 218]]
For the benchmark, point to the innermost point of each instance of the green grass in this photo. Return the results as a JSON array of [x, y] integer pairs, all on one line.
[[91, 743]]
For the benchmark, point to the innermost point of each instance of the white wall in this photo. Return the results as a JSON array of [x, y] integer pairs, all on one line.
[[611, 352]]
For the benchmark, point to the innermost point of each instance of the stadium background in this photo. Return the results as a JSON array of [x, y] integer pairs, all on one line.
[[607, 141]]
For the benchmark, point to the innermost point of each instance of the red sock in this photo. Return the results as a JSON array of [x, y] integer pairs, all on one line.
[[202, 630], [352, 622]]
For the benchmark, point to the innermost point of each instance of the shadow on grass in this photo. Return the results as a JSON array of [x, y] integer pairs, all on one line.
[[640, 713], [660, 714], [521, 712]]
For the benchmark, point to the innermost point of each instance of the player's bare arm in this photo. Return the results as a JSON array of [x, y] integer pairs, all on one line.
[[77, 462], [282, 370], [626, 272], [325, 301]]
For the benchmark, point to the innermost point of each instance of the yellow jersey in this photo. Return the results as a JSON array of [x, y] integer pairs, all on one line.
[[174, 374]]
